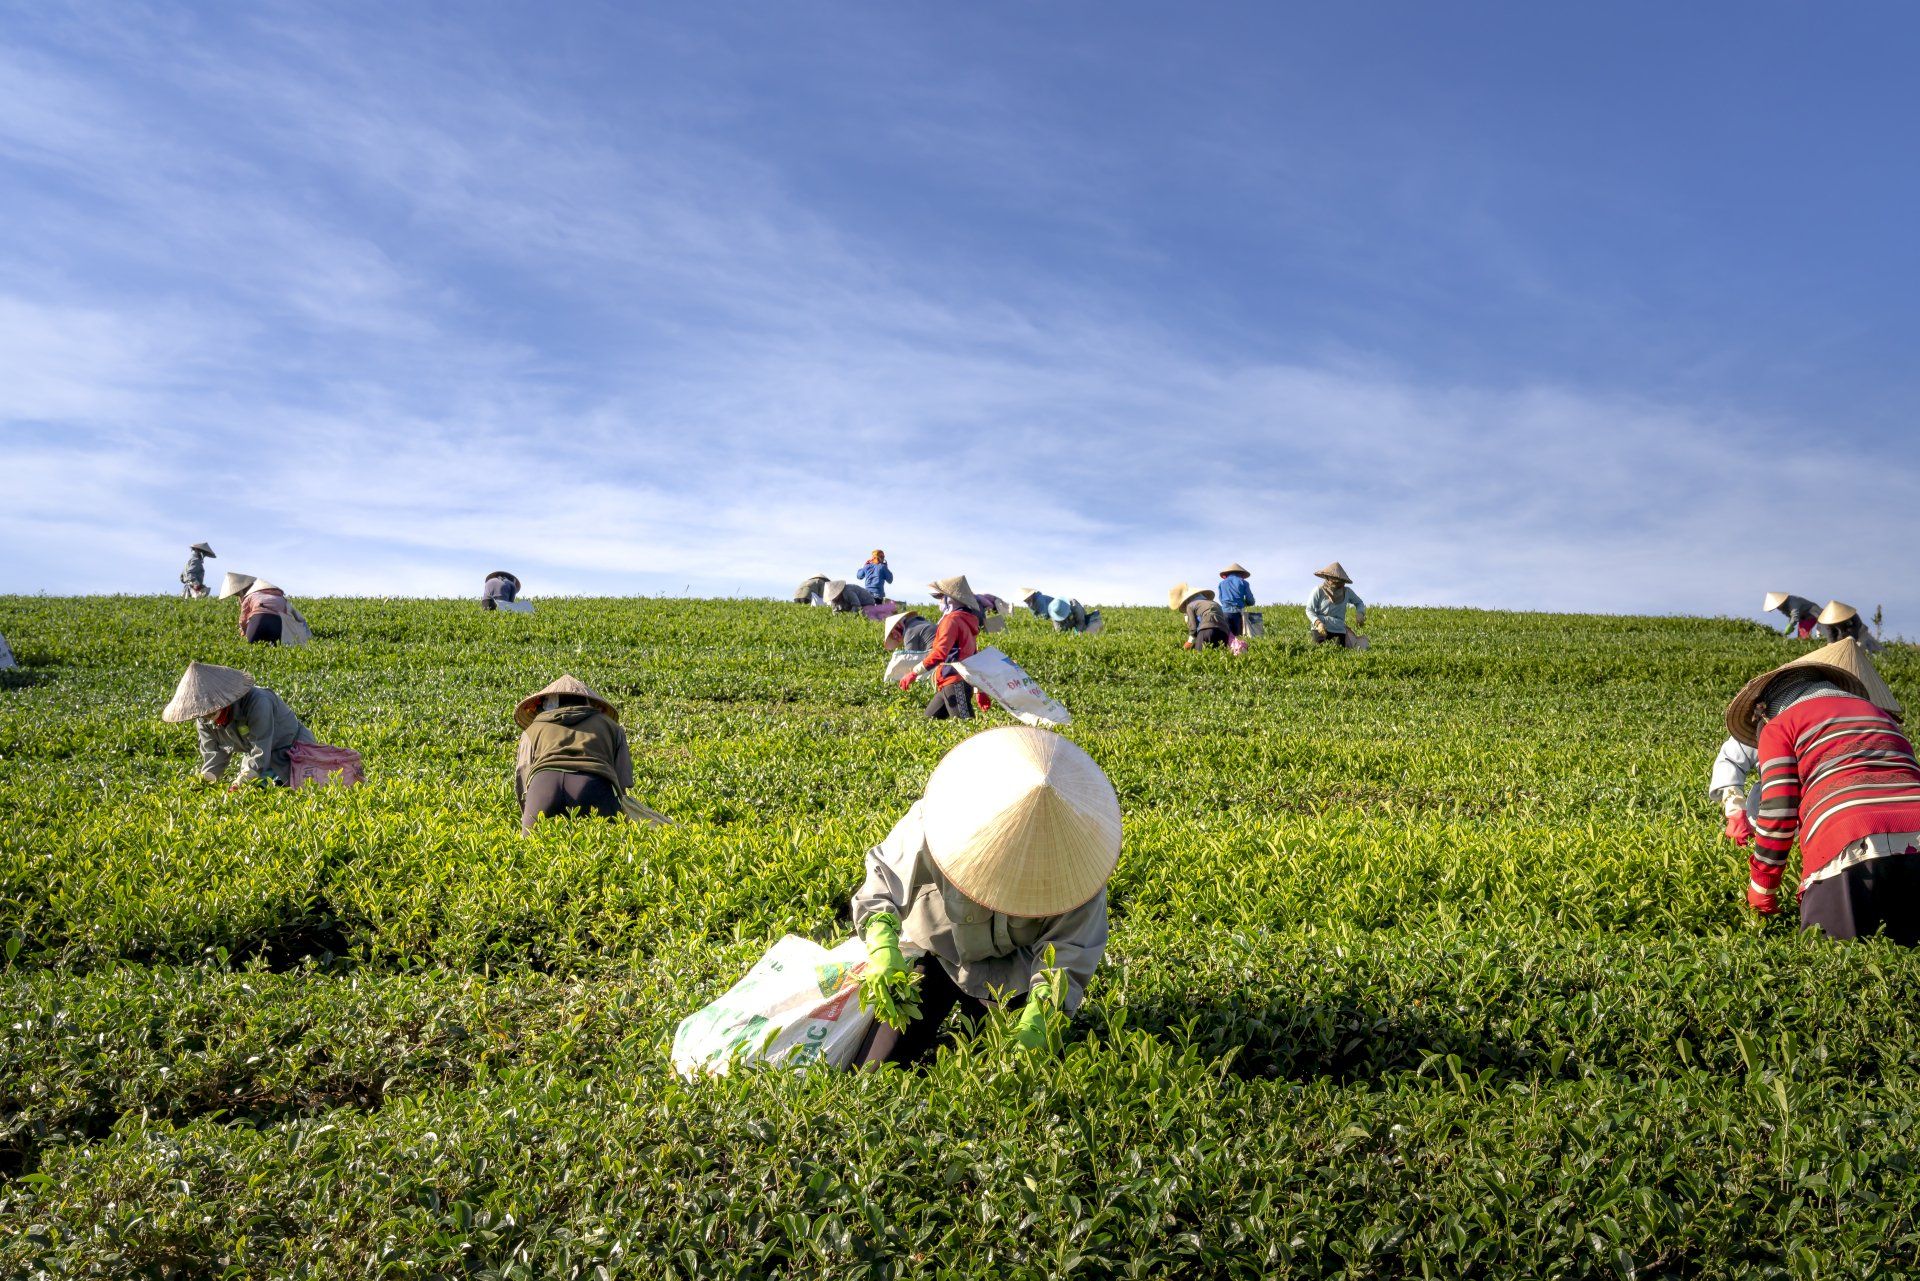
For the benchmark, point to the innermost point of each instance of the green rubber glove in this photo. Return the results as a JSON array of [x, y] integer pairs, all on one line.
[[883, 942], [1039, 1026], [1041, 1020]]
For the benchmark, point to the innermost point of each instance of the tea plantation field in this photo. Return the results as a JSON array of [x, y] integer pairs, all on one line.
[[1426, 961]]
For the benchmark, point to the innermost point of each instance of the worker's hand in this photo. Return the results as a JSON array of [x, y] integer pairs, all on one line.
[[883, 943], [1739, 829], [1039, 1026], [1765, 902], [1319, 628], [906, 682], [1187, 643], [982, 701], [207, 777]]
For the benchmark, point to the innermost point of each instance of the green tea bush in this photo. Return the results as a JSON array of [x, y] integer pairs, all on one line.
[[1427, 961]]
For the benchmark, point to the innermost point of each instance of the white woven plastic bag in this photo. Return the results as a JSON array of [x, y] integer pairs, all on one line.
[[994, 674], [799, 1005]]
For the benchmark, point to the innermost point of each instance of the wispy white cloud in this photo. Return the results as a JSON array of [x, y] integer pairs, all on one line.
[[382, 322]]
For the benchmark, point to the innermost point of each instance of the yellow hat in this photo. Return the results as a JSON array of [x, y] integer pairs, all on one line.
[[1022, 821]]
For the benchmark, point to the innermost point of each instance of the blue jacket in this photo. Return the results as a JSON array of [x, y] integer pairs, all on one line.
[[875, 576], [1235, 595], [1038, 603]]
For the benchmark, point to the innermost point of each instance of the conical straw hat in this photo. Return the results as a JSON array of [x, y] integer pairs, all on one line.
[[834, 590], [1844, 662], [262, 585], [959, 589], [1335, 571], [1773, 600], [1022, 821], [205, 689], [530, 705], [1177, 598], [204, 550], [235, 584], [890, 627], [1237, 568], [1837, 611], [1028, 593]]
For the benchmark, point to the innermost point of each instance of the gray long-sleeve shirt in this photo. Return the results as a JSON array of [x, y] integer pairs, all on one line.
[[1329, 609], [262, 729], [982, 950], [195, 574], [916, 634], [1797, 608]]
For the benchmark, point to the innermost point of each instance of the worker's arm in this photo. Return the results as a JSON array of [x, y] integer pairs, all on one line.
[[213, 752], [522, 758], [889, 871], [946, 640], [267, 720], [1359, 608], [1078, 940], [1779, 821]]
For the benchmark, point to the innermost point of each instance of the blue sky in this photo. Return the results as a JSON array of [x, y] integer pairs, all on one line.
[[1516, 305]]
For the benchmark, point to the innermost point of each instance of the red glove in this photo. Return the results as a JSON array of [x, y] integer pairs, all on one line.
[[1765, 902], [982, 700], [1739, 829], [906, 682]]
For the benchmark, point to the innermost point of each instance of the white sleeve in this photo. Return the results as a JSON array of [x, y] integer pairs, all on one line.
[[1732, 767]]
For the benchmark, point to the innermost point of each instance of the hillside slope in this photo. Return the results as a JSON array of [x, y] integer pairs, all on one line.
[[1427, 960]]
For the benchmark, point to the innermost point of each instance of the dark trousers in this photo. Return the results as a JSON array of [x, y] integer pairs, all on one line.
[[1211, 638], [559, 794], [1881, 895], [938, 997], [263, 629], [1235, 623], [955, 702]]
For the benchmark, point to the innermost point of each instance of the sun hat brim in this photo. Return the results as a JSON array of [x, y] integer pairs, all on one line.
[[1838, 611], [956, 588], [529, 707], [1826, 662], [1023, 822], [205, 688]]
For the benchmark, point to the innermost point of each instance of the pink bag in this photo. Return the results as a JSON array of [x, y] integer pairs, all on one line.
[[1237, 645], [880, 613], [318, 763]]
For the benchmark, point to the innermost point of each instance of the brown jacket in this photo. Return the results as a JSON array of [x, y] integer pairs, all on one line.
[[578, 740], [1203, 614]]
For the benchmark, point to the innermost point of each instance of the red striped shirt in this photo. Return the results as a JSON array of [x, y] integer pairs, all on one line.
[[1832, 770]]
